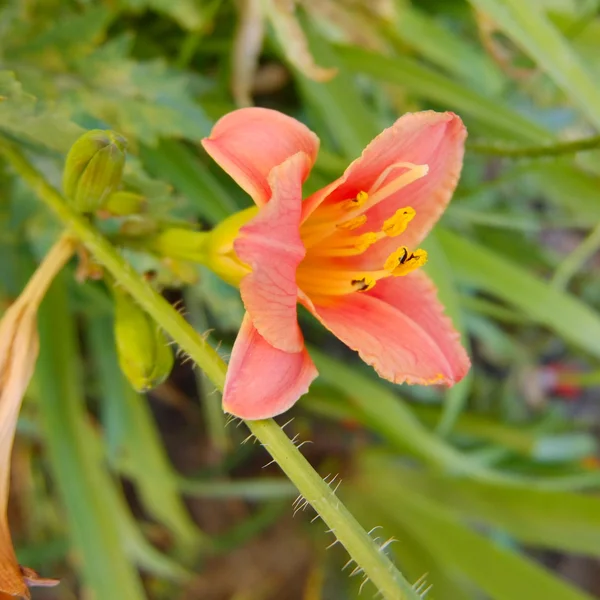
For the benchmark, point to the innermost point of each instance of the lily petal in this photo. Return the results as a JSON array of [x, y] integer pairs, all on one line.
[[400, 329], [249, 142], [263, 381], [270, 244], [424, 138]]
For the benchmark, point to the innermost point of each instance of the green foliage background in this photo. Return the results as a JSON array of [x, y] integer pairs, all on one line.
[[478, 485]]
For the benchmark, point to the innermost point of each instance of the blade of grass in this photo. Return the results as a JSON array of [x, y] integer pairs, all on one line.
[[528, 442], [440, 270], [173, 161], [381, 410], [338, 102], [104, 565], [558, 149], [451, 52], [562, 313], [496, 570], [252, 489], [532, 30], [563, 521], [145, 458], [429, 85], [574, 261]]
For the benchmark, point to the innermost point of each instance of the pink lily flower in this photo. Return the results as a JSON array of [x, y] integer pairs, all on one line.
[[348, 253]]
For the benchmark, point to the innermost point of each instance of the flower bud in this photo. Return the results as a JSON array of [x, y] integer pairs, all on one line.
[[145, 357], [93, 169], [122, 203]]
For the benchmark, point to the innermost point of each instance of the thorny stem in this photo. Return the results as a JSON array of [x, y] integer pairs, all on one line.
[[591, 143], [373, 562]]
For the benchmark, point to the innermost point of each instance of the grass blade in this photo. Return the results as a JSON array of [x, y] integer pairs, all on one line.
[[105, 567], [570, 318], [533, 31], [429, 85]]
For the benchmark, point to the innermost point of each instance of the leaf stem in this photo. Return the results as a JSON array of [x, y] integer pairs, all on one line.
[[369, 557]]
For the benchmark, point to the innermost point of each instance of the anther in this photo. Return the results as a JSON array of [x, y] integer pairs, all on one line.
[[356, 202], [364, 284], [402, 261], [399, 222]]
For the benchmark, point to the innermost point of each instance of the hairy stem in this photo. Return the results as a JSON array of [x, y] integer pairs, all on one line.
[[369, 557]]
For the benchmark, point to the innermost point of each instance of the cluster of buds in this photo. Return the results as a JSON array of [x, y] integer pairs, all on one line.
[[92, 182]]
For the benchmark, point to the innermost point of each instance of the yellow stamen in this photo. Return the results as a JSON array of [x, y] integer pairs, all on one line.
[[364, 241], [327, 282], [352, 223], [360, 200], [349, 246], [399, 222], [402, 261], [364, 284]]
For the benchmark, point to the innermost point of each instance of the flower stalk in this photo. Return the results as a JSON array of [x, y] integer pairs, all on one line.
[[369, 557]]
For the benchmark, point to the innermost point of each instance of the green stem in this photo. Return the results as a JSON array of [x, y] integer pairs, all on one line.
[[364, 551], [591, 143]]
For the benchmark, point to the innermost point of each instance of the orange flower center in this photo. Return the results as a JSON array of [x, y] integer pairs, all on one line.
[[333, 246]]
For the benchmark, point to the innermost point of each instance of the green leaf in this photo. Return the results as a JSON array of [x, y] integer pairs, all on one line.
[[496, 570], [174, 162], [338, 103], [562, 313], [380, 409], [22, 115], [71, 35], [533, 31], [573, 189], [453, 53], [81, 481], [439, 268], [390, 416], [188, 14], [142, 100], [429, 85], [136, 447], [563, 521]]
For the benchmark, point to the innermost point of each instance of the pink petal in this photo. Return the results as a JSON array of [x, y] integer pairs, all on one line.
[[434, 139], [399, 328], [249, 142], [262, 381], [270, 244]]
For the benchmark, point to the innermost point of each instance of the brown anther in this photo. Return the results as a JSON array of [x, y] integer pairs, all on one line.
[[362, 285]]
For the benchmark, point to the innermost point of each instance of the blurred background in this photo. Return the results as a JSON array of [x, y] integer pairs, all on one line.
[[488, 490]]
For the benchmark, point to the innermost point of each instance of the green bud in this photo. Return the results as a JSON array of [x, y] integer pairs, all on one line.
[[94, 168], [122, 204], [145, 357]]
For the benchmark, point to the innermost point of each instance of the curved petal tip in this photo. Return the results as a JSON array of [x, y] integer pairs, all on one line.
[[262, 381]]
